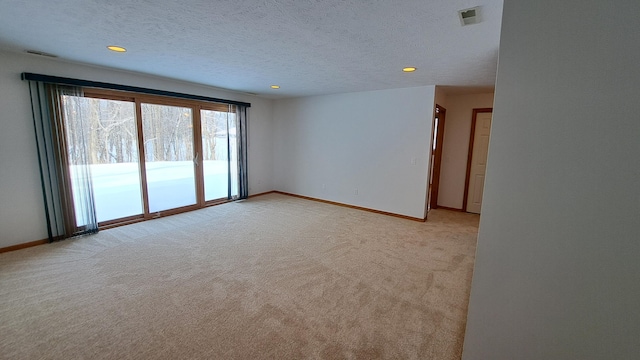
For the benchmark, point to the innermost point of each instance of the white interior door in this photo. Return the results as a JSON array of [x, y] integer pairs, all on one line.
[[479, 161]]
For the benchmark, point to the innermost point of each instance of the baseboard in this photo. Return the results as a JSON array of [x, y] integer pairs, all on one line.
[[449, 208], [264, 193], [351, 206], [45, 241], [23, 245]]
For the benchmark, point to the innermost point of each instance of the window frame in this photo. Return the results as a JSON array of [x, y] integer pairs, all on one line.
[[138, 99]]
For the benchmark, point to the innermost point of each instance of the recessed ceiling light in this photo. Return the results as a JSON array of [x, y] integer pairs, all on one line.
[[275, 86], [409, 69], [116, 48]]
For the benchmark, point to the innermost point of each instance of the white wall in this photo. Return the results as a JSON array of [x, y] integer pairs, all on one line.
[[441, 97], [455, 146], [557, 273], [364, 141], [21, 210]]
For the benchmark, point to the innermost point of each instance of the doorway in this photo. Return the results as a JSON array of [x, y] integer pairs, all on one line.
[[437, 137], [477, 159]]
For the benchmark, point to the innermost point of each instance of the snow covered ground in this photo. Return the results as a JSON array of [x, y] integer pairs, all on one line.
[[117, 188]]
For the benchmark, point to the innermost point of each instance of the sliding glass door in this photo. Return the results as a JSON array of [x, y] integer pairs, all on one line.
[[219, 154], [102, 143], [169, 156], [147, 156]]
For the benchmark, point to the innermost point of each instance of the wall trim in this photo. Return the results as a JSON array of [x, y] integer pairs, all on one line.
[[24, 245], [351, 206], [440, 207], [108, 225], [45, 241], [263, 193]]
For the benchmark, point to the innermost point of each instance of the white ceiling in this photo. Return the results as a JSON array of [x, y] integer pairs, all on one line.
[[307, 47]]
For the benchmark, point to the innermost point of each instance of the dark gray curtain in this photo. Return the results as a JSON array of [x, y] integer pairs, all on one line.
[[66, 187], [242, 136]]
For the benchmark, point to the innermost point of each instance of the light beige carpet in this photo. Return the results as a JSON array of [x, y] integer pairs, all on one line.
[[273, 277]]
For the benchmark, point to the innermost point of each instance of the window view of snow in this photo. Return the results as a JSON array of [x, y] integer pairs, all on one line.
[[103, 134], [216, 127], [168, 140]]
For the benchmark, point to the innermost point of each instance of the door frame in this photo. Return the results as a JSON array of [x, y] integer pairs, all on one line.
[[470, 153], [437, 158]]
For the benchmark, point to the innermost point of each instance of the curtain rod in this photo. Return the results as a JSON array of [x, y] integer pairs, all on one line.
[[103, 85]]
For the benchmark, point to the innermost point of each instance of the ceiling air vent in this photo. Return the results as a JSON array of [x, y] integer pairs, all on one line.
[[40, 53], [469, 16]]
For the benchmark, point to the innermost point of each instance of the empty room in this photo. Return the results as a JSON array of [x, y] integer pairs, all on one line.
[[287, 179]]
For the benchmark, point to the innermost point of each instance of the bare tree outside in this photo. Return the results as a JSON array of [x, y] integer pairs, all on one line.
[[103, 134], [169, 156], [218, 142]]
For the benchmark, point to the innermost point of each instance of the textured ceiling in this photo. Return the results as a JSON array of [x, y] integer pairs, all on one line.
[[307, 47]]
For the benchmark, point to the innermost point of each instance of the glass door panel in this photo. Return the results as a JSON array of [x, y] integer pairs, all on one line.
[[218, 141], [169, 155], [107, 130]]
